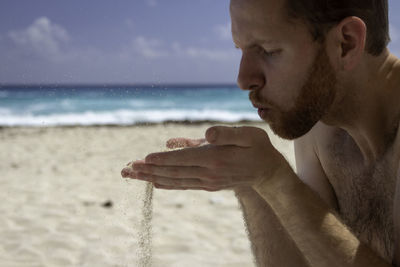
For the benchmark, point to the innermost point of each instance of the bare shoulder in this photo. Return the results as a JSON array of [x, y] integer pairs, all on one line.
[[308, 165], [315, 141]]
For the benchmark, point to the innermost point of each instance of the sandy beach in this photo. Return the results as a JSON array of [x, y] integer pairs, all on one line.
[[64, 202]]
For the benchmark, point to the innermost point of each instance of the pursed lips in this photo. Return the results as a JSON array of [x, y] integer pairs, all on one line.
[[259, 106], [262, 110]]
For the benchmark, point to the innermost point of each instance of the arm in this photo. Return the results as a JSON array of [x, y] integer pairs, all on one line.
[[318, 234], [273, 242], [244, 156], [270, 242]]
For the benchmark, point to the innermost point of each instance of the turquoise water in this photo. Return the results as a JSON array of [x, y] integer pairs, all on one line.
[[96, 105]]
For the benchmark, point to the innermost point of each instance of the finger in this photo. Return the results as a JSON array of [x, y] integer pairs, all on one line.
[[173, 171], [238, 136], [158, 186], [128, 172], [130, 163], [189, 182], [202, 156], [179, 172], [184, 142]]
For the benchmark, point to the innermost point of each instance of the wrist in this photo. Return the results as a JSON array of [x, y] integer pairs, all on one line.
[[276, 165], [279, 178], [243, 190]]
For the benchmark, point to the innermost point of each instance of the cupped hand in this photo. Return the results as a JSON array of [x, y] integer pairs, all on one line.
[[234, 157]]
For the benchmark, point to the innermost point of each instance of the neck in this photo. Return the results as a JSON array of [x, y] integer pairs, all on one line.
[[367, 106]]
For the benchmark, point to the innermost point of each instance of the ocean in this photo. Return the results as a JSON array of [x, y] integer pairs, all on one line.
[[122, 105]]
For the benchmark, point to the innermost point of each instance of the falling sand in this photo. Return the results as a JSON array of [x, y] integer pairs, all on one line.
[[144, 251], [145, 229]]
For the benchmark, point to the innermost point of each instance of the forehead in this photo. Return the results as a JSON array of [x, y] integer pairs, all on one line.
[[257, 18], [265, 8]]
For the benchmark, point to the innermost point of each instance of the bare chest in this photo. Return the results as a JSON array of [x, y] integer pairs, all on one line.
[[365, 195]]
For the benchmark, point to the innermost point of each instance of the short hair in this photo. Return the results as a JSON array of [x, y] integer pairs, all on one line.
[[321, 15]]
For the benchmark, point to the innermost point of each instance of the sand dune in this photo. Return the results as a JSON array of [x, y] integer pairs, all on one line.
[[65, 204]]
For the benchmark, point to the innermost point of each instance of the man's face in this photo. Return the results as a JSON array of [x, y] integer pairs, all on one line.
[[291, 79]]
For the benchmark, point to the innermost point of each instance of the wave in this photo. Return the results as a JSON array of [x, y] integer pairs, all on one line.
[[123, 117]]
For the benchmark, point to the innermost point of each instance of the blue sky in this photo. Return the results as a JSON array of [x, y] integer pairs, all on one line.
[[123, 41]]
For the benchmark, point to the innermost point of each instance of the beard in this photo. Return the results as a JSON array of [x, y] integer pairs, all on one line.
[[314, 101]]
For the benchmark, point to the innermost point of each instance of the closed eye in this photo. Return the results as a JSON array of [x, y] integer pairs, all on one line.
[[262, 50], [272, 52]]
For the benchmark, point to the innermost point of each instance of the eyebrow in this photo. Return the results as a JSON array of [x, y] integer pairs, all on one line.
[[255, 43]]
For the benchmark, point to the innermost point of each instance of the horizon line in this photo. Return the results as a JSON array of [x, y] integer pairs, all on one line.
[[115, 85]]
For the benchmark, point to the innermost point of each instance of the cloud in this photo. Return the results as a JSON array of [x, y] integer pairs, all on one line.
[[203, 53], [149, 48], [42, 37], [43, 52], [210, 54], [224, 31], [152, 49], [152, 3]]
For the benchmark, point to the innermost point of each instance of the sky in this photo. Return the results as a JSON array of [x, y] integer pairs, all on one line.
[[123, 41]]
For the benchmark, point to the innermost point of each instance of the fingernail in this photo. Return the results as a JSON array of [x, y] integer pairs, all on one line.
[[127, 172]]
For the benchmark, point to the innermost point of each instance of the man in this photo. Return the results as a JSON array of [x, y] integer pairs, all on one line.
[[318, 72]]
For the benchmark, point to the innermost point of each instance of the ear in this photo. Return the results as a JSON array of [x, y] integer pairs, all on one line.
[[350, 39]]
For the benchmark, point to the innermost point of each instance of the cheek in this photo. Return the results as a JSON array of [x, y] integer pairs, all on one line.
[[283, 88], [286, 76]]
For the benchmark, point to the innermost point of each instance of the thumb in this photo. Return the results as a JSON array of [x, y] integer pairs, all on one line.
[[239, 136]]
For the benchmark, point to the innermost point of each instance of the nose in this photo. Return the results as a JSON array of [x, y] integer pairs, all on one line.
[[251, 75]]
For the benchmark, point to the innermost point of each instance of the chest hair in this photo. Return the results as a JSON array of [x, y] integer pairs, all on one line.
[[365, 195]]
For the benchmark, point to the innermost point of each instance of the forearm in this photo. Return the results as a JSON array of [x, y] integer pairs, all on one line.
[[270, 242], [317, 233]]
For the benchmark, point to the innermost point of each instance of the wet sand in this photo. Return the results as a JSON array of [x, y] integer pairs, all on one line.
[[65, 204]]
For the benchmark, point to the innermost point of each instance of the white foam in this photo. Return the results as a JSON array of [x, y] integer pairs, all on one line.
[[123, 117]]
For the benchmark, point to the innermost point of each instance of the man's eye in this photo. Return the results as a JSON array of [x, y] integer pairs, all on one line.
[[271, 53]]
